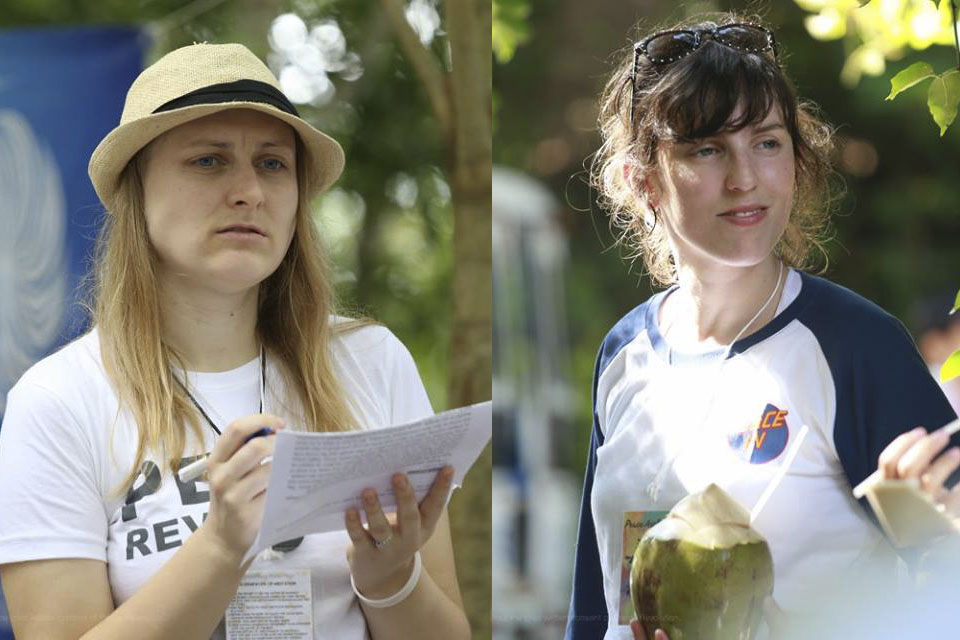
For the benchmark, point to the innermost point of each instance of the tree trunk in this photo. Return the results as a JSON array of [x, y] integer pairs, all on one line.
[[468, 26], [461, 101]]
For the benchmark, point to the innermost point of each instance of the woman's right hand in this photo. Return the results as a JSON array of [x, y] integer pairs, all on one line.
[[238, 483], [639, 634], [917, 454]]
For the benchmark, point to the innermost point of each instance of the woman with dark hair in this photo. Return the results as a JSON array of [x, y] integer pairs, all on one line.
[[719, 180], [213, 322]]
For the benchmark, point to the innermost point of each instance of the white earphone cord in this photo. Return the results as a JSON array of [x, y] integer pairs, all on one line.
[[653, 489]]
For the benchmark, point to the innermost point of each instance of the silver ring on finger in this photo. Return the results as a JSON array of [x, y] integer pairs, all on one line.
[[380, 544]]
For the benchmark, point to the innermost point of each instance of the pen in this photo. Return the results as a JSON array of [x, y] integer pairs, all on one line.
[[197, 468], [861, 489]]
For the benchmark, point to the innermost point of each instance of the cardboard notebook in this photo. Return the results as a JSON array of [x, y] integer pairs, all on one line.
[[908, 515]]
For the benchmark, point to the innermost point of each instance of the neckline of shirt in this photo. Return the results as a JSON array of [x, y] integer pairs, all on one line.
[[247, 373], [786, 311], [238, 377]]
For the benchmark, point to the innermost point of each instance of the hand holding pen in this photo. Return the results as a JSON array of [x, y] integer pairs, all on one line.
[[199, 467], [238, 471]]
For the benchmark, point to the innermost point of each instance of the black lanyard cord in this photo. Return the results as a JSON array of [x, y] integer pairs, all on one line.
[[263, 378], [287, 545]]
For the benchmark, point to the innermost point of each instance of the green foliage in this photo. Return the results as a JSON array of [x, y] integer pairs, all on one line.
[[950, 368], [915, 73], [881, 31], [510, 28], [943, 97]]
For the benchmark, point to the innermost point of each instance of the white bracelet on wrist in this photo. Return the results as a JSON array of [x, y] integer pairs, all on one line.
[[399, 596]]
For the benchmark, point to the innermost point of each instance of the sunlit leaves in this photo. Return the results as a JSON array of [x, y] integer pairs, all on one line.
[[510, 28], [821, 5], [882, 30], [950, 368], [943, 97], [865, 59], [829, 24], [915, 73], [879, 30]]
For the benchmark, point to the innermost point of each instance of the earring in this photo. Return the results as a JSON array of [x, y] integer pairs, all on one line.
[[650, 217]]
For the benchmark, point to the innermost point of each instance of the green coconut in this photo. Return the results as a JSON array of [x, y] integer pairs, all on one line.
[[702, 573]]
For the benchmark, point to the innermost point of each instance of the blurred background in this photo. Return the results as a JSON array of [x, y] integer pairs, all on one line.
[[406, 225], [560, 282]]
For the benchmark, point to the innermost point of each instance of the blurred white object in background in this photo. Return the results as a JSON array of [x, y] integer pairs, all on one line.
[[535, 501], [33, 271]]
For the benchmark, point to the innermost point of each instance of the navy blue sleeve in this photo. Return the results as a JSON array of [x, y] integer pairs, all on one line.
[[890, 391], [587, 617], [883, 387]]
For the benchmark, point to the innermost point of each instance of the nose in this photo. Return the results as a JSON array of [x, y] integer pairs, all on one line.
[[741, 172], [245, 188]]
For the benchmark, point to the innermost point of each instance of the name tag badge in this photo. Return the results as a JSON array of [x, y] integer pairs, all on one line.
[[635, 524], [272, 605]]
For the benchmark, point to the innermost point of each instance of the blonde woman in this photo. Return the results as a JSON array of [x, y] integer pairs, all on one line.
[[718, 177], [213, 322]]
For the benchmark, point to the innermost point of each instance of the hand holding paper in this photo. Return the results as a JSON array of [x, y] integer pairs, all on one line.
[[381, 554], [907, 493], [316, 477]]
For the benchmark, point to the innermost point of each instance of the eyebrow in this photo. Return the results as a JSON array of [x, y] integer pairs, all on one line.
[[682, 141], [229, 145], [770, 127]]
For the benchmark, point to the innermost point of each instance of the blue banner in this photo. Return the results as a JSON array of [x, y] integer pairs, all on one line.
[[61, 91]]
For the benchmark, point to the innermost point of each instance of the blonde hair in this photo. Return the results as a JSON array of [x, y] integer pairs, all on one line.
[[695, 97], [296, 303]]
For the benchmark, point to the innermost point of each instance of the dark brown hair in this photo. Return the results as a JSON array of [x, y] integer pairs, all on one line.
[[696, 97]]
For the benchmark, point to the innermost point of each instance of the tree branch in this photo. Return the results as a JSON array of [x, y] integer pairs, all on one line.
[[468, 28], [424, 64]]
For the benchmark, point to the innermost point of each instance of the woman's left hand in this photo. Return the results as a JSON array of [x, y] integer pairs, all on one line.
[[640, 634], [381, 572], [915, 455]]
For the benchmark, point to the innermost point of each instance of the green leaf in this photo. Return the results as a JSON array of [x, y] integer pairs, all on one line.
[[943, 98], [915, 73], [956, 304], [950, 368], [510, 27]]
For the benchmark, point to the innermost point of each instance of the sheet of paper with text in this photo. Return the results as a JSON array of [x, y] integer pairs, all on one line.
[[316, 476]]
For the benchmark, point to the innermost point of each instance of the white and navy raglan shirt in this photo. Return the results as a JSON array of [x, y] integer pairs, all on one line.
[[63, 452], [666, 423]]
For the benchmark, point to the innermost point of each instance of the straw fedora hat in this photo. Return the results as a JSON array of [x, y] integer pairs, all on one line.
[[195, 81]]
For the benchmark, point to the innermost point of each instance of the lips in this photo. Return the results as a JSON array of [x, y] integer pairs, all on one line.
[[745, 211], [242, 228], [746, 216]]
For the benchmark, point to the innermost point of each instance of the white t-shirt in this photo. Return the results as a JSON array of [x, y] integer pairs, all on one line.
[[667, 422], [58, 470]]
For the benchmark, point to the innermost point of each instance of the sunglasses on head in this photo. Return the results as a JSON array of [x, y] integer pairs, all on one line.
[[669, 46]]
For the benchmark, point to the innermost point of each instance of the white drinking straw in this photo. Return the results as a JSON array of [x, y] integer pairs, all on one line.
[[782, 471]]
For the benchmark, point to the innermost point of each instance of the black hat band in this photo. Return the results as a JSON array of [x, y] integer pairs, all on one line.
[[239, 91]]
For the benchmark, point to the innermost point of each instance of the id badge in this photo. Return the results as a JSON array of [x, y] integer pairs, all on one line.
[[635, 524], [272, 605]]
